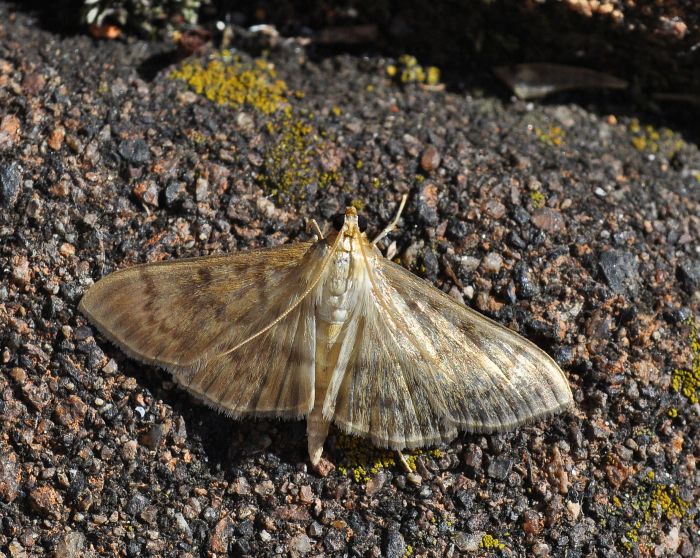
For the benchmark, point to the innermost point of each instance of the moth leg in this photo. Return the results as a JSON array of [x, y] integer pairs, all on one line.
[[391, 226], [404, 463], [314, 225], [316, 431]]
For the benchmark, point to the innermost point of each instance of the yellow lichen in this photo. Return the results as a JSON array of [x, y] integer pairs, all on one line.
[[537, 199], [650, 140], [490, 542], [408, 70], [554, 136], [686, 381], [228, 80]]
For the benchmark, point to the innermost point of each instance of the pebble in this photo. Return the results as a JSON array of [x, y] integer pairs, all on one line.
[[548, 220], [334, 541], [71, 545], [56, 138], [9, 131], [492, 262], [394, 544], [300, 544], [621, 271], [134, 151], [47, 501], [10, 183], [9, 475], [265, 488], [430, 159], [376, 483], [600, 192], [467, 542], [499, 468]]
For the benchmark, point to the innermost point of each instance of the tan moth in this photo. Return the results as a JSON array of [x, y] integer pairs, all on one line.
[[332, 331]]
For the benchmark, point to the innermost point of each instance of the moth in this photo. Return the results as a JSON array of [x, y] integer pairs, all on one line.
[[332, 331]]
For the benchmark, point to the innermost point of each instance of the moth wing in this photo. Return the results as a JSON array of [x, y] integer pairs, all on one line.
[[187, 316], [423, 366]]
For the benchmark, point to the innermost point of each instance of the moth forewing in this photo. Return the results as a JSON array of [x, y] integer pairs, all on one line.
[[330, 330]]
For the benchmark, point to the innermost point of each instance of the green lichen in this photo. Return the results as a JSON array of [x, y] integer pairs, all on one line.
[[361, 460], [537, 199], [553, 136], [291, 166], [651, 140], [408, 70], [686, 381], [646, 504], [228, 80]]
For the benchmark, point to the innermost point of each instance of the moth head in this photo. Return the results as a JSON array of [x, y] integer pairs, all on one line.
[[350, 222]]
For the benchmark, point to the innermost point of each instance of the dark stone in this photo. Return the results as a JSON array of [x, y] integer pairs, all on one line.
[[241, 548], [524, 286], [10, 184], [688, 274], [394, 544], [500, 467], [136, 504], [134, 151], [520, 215], [432, 267], [334, 541], [621, 271]]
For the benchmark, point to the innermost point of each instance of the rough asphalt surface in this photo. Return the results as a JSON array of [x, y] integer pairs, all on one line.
[[577, 227]]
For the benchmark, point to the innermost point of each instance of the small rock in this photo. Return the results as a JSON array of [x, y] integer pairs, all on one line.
[[183, 526], [430, 159], [324, 467], [499, 468], [16, 550], [265, 488], [221, 536], [174, 192], [306, 494], [136, 504], [240, 486], [600, 192], [300, 545], [315, 529], [334, 541], [620, 270], [548, 220], [153, 437], [47, 501], [134, 151], [492, 262], [495, 209], [147, 192], [376, 483], [20, 271], [688, 274], [9, 131], [72, 545], [129, 450], [532, 522], [56, 138], [10, 183], [201, 190], [415, 479], [394, 544], [467, 542], [9, 475]]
